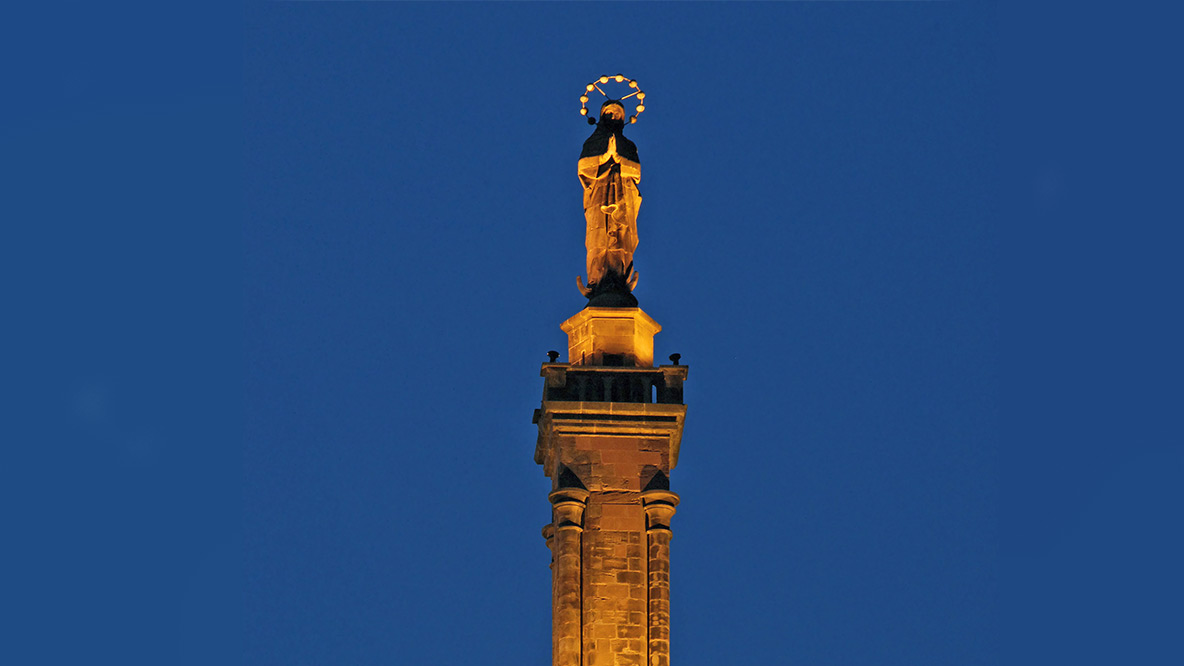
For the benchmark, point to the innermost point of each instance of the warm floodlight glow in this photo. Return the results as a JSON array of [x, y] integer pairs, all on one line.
[[618, 78]]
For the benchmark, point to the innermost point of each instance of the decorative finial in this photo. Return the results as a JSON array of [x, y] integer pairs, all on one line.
[[674, 358], [553, 355]]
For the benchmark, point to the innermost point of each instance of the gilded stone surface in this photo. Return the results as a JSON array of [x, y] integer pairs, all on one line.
[[609, 454], [596, 335], [610, 427], [609, 171], [569, 504]]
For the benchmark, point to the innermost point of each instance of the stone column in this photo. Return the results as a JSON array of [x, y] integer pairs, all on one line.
[[659, 509], [566, 639]]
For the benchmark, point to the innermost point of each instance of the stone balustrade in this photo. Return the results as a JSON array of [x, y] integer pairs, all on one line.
[[583, 383]]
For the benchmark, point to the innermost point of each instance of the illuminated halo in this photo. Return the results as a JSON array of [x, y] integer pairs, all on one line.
[[619, 78]]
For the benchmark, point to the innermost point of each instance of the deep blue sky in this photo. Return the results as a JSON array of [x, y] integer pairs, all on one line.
[[818, 240], [279, 289]]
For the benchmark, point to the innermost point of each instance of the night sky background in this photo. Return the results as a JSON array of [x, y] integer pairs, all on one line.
[[278, 313]]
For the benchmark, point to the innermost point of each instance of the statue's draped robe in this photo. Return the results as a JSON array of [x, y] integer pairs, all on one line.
[[609, 171]]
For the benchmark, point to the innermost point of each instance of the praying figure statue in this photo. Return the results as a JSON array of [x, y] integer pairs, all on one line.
[[609, 171]]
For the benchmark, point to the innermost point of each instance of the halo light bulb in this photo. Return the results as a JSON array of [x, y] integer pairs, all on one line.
[[619, 78]]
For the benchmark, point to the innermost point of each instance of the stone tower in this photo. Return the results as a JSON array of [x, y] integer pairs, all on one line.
[[609, 430]]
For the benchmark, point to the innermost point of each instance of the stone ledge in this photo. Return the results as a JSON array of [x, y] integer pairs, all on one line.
[[663, 422]]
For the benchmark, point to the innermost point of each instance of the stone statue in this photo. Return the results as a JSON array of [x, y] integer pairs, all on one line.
[[609, 170]]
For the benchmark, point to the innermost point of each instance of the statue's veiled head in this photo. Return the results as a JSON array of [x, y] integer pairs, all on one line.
[[612, 123], [612, 114]]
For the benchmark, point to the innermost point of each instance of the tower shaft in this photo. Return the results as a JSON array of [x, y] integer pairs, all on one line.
[[610, 426]]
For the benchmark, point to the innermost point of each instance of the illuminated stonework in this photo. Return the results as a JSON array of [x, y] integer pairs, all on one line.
[[609, 171], [610, 428], [611, 336], [609, 436]]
